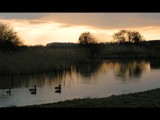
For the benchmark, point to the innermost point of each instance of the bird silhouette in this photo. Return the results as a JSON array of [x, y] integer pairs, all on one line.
[[9, 91], [58, 89], [33, 90]]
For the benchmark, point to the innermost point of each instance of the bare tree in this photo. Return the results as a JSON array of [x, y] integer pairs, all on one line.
[[121, 36], [128, 36], [89, 43], [8, 37], [136, 37], [87, 38]]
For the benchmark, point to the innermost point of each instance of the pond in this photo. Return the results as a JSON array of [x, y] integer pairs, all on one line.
[[96, 80]]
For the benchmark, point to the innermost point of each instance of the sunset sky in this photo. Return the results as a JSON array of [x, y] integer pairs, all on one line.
[[43, 28]]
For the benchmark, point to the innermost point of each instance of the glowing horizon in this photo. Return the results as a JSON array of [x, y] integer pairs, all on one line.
[[44, 30]]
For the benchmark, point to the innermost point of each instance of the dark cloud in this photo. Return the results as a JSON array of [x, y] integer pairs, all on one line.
[[28, 16], [108, 20], [100, 20]]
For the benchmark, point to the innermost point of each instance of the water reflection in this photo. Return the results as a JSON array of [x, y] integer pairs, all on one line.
[[124, 70], [128, 70], [155, 64], [87, 70], [85, 80], [26, 81]]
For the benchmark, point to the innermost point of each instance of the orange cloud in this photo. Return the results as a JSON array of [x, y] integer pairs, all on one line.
[[46, 31]]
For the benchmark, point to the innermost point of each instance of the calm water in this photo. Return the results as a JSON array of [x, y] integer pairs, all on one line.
[[83, 81]]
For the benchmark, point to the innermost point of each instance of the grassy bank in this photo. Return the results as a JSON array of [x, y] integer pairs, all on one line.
[[147, 99]]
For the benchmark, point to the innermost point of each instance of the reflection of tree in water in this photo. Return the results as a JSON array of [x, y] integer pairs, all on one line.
[[155, 64], [5, 81], [25, 81], [87, 70], [126, 70]]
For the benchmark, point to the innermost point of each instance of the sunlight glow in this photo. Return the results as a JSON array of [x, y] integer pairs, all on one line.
[[35, 32]]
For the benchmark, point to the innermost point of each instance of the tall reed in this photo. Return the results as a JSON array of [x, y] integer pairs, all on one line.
[[33, 60]]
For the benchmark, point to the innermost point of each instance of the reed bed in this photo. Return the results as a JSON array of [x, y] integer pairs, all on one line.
[[35, 60], [48, 59], [122, 51]]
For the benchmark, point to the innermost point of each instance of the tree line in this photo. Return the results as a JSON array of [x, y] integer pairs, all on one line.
[[122, 36], [9, 39]]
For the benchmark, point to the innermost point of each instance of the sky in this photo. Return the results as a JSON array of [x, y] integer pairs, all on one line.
[[44, 28]]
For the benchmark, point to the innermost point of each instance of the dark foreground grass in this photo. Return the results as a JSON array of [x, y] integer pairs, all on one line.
[[147, 99]]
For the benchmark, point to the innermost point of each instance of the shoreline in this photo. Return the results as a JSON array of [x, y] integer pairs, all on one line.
[[145, 99]]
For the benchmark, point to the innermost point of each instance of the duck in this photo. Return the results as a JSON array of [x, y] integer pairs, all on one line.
[[33, 92], [33, 89], [58, 91], [58, 87], [9, 91]]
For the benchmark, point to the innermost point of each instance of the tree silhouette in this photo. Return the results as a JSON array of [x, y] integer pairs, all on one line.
[[120, 36], [87, 38], [89, 42], [128, 36], [8, 37], [136, 37]]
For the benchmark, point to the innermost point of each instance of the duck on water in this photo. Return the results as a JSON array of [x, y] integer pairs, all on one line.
[[58, 89], [33, 90], [9, 91]]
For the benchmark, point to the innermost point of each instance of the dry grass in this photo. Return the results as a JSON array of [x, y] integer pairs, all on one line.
[[45, 59], [33, 60], [127, 51]]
